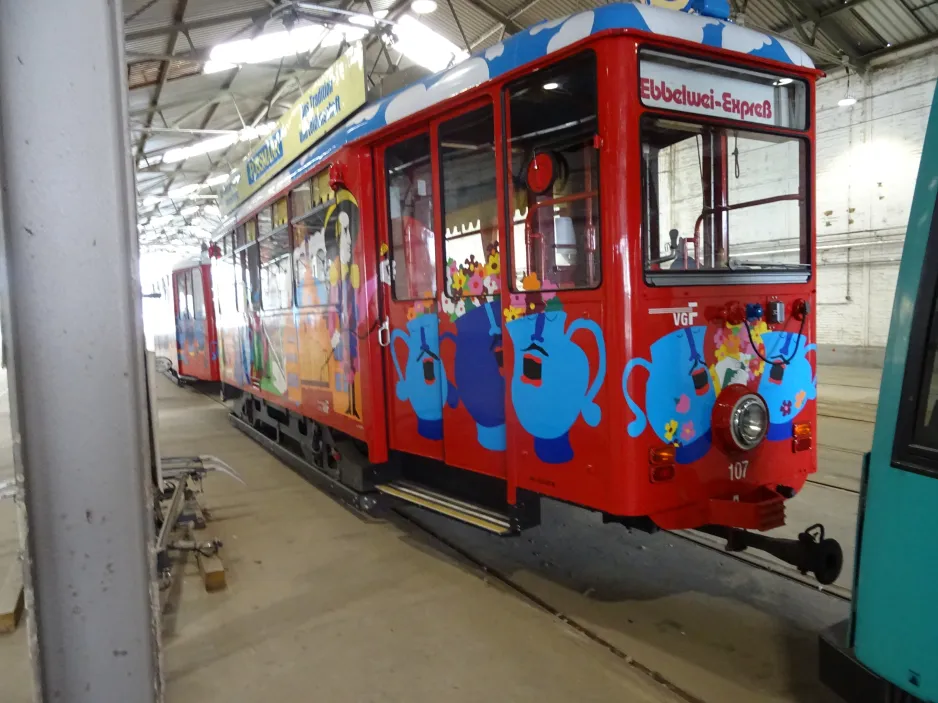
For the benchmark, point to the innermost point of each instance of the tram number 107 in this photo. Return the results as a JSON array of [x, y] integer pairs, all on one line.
[[738, 470]]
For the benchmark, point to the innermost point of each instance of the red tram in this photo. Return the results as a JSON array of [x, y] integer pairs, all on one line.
[[192, 354], [578, 265]]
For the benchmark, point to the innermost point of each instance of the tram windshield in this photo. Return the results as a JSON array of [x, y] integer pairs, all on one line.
[[721, 199]]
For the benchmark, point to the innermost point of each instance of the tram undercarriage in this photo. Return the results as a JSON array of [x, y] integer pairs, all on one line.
[[339, 465]]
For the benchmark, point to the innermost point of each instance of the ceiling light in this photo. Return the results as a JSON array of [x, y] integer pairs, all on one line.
[[847, 100], [266, 47], [217, 180], [380, 14], [423, 7], [217, 66], [551, 86], [362, 20], [203, 147], [191, 210], [183, 191], [783, 81], [425, 47], [223, 141]]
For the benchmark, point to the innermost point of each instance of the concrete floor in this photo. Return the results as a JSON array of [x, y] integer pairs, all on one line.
[[319, 600]]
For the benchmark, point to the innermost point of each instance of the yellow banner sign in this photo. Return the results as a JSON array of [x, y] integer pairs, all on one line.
[[335, 95]]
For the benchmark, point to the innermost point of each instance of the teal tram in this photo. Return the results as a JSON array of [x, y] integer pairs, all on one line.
[[888, 650]]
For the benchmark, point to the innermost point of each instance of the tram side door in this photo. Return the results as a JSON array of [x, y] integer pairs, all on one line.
[[470, 317], [182, 286], [415, 384]]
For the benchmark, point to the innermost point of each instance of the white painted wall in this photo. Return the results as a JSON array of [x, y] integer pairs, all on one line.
[[867, 161]]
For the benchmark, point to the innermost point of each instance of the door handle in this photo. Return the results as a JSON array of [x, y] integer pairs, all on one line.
[[384, 333]]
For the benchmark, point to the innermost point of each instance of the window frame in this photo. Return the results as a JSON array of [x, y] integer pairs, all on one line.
[[181, 290], [505, 106], [295, 219], [720, 277], [260, 268], [243, 263], [428, 131], [907, 454], [439, 202], [196, 315]]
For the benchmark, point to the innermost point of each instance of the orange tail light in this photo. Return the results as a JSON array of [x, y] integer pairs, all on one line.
[[802, 436], [662, 463]]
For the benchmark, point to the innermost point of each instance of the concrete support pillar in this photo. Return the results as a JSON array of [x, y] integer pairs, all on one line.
[[75, 351]]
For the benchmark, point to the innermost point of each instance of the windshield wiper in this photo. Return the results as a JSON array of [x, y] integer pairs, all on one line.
[[735, 265]]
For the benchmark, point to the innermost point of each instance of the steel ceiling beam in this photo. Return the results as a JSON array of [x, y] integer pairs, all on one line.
[[837, 36], [823, 22], [256, 28], [178, 14], [180, 26], [507, 22], [498, 27]]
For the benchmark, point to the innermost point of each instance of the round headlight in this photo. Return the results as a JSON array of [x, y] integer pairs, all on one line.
[[749, 421]]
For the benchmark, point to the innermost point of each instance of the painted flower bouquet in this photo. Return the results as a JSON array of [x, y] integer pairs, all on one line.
[[537, 297], [472, 283]]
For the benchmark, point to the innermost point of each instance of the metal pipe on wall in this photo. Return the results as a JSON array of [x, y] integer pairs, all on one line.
[[75, 345]]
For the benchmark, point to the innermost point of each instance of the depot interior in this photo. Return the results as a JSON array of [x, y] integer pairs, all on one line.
[[315, 598]]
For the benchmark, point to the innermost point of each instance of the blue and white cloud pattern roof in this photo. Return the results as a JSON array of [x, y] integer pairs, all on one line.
[[532, 44]]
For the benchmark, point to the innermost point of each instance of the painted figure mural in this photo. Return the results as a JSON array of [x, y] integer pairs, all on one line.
[[789, 382], [691, 366], [345, 286], [473, 306], [679, 394], [553, 384], [422, 380]]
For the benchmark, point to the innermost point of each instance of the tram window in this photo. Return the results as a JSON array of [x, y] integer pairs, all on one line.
[[264, 223], [279, 214], [198, 295], [554, 177], [302, 198], [470, 208], [276, 277], [915, 444], [311, 250], [235, 280], [252, 273], [926, 422], [410, 218], [722, 199], [181, 296]]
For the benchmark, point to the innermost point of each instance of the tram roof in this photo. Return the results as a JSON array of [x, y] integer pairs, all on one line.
[[528, 46]]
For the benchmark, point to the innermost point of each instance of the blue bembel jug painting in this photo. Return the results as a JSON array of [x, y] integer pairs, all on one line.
[[551, 385], [679, 394], [423, 380], [788, 382], [478, 371]]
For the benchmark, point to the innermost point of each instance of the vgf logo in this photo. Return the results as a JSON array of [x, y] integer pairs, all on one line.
[[683, 317]]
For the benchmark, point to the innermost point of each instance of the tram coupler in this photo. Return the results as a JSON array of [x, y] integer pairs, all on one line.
[[811, 553]]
